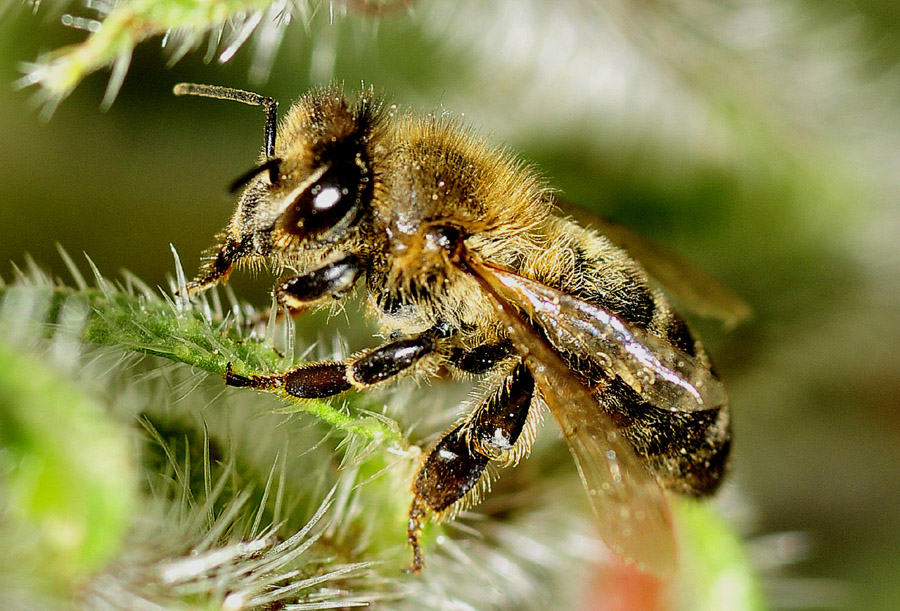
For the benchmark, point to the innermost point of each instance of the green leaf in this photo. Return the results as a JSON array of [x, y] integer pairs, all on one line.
[[66, 466], [716, 573]]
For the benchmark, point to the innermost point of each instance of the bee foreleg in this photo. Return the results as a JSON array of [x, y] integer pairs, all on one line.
[[218, 265], [328, 283], [329, 378]]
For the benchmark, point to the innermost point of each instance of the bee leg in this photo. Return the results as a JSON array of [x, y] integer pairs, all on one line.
[[328, 283], [316, 288], [217, 266], [480, 359], [455, 465], [497, 424], [330, 378], [450, 470]]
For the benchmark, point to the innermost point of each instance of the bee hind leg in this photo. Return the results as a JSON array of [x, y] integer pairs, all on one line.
[[450, 474], [496, 426]]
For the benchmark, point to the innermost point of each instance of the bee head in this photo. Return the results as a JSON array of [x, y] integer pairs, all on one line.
[[313, 191], [312, 186]]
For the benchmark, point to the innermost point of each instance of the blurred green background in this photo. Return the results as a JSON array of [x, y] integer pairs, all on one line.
[[762, 142]]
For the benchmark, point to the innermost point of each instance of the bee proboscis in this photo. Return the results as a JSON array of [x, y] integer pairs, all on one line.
[[470, 267]]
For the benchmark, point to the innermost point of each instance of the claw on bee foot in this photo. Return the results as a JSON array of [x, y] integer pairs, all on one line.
[[239, 381]]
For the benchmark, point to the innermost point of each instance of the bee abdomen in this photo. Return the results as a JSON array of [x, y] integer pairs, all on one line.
[[686, 451]]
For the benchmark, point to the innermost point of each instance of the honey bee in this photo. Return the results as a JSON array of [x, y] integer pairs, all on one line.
[[470, 267]]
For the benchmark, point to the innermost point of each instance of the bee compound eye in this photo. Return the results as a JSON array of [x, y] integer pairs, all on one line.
[[330, 206]]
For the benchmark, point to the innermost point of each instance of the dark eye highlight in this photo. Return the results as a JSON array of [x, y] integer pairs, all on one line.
[[325, 210]]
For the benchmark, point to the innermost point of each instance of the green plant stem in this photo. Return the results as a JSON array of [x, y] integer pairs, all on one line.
[[119, 32], [152, 326]]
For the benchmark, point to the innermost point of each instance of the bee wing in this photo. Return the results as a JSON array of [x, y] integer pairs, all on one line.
[[631, 509], [659, 372], [692, 286]]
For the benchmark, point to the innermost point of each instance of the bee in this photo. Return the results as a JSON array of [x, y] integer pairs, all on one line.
[[469, 266]]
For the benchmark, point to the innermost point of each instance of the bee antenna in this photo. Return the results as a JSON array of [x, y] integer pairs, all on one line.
[[238, 95], [270, 165]]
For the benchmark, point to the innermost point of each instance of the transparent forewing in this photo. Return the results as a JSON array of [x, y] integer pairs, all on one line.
[[659, 372], [630, 507], [691, 285]]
